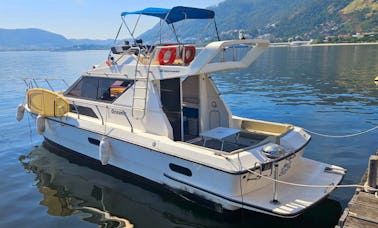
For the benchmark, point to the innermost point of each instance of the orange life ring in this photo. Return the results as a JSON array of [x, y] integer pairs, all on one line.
[[162, 55], [189, 54]]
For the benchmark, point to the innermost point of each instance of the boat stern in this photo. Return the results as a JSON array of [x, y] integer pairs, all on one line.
[[290, 195]]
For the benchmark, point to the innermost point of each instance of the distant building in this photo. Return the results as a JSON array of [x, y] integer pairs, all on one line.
[[300, 42], [358, 35]]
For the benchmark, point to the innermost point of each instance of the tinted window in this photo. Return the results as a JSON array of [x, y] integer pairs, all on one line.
[[105, 89], [83, 110]]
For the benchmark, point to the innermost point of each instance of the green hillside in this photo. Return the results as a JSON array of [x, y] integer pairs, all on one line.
[[283, 19], [277, 20], [361, 5], [314, 19], [361, 16]]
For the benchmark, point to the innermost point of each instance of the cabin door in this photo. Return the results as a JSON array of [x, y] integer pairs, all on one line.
[[170, 93]]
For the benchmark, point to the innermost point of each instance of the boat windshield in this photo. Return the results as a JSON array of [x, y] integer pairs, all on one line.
[[100, 89]]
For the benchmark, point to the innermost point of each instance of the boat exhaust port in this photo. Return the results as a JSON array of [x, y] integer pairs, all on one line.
[[218, 208]]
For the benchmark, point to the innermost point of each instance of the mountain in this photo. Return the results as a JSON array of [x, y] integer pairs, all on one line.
[[107, 42], [319, 18], [361, 16], [30, 39], [277, 20], [283, 19], [37, 39], [361, 5]]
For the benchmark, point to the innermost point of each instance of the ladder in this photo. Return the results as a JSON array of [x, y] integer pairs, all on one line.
[[140, 91]]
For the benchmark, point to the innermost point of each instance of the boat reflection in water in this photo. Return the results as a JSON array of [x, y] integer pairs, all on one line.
[[119, 200], [68, 188]]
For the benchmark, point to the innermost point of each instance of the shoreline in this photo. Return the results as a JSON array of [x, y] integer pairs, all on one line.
[[270, 45], [343, 44], [321, 44]]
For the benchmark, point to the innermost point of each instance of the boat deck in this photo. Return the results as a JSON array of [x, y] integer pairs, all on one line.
[[230, 144], [292, 200]]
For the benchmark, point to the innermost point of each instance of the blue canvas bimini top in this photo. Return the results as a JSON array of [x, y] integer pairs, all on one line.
[[175, 14]]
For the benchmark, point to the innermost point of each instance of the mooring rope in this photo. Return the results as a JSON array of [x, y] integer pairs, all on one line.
[[341, 136], [30, 130]]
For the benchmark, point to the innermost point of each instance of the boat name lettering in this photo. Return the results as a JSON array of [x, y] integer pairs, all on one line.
[[285, 168], [170, 71], [118, 112]]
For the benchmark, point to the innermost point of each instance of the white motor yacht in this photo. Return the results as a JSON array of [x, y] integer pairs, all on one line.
[[154, 111]]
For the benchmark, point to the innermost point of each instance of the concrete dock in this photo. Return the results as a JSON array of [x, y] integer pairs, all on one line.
[[362, 210]]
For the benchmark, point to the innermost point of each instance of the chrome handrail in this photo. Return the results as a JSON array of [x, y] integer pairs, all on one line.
[[33, 82]]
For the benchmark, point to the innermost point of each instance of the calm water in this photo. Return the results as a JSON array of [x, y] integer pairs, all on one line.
[[324, 89]]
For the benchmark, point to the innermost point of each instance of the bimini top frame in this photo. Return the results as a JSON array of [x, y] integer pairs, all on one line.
[[173, 15]]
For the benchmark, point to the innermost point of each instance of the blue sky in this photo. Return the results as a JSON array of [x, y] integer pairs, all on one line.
[[94, 19]]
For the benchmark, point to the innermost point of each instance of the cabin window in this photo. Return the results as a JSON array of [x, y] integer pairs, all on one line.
[[86, 111], [103, 89]]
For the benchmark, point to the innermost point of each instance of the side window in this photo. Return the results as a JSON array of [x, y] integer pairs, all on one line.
[[112, 89], [104, 89]]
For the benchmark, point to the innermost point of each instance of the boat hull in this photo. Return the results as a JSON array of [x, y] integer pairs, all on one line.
[[144, 162], [196, 181]]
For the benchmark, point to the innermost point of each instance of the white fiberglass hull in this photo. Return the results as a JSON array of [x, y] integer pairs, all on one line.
[[219, 187]]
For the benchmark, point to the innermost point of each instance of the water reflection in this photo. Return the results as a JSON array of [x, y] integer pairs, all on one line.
[[70, 188], [309, 76]]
